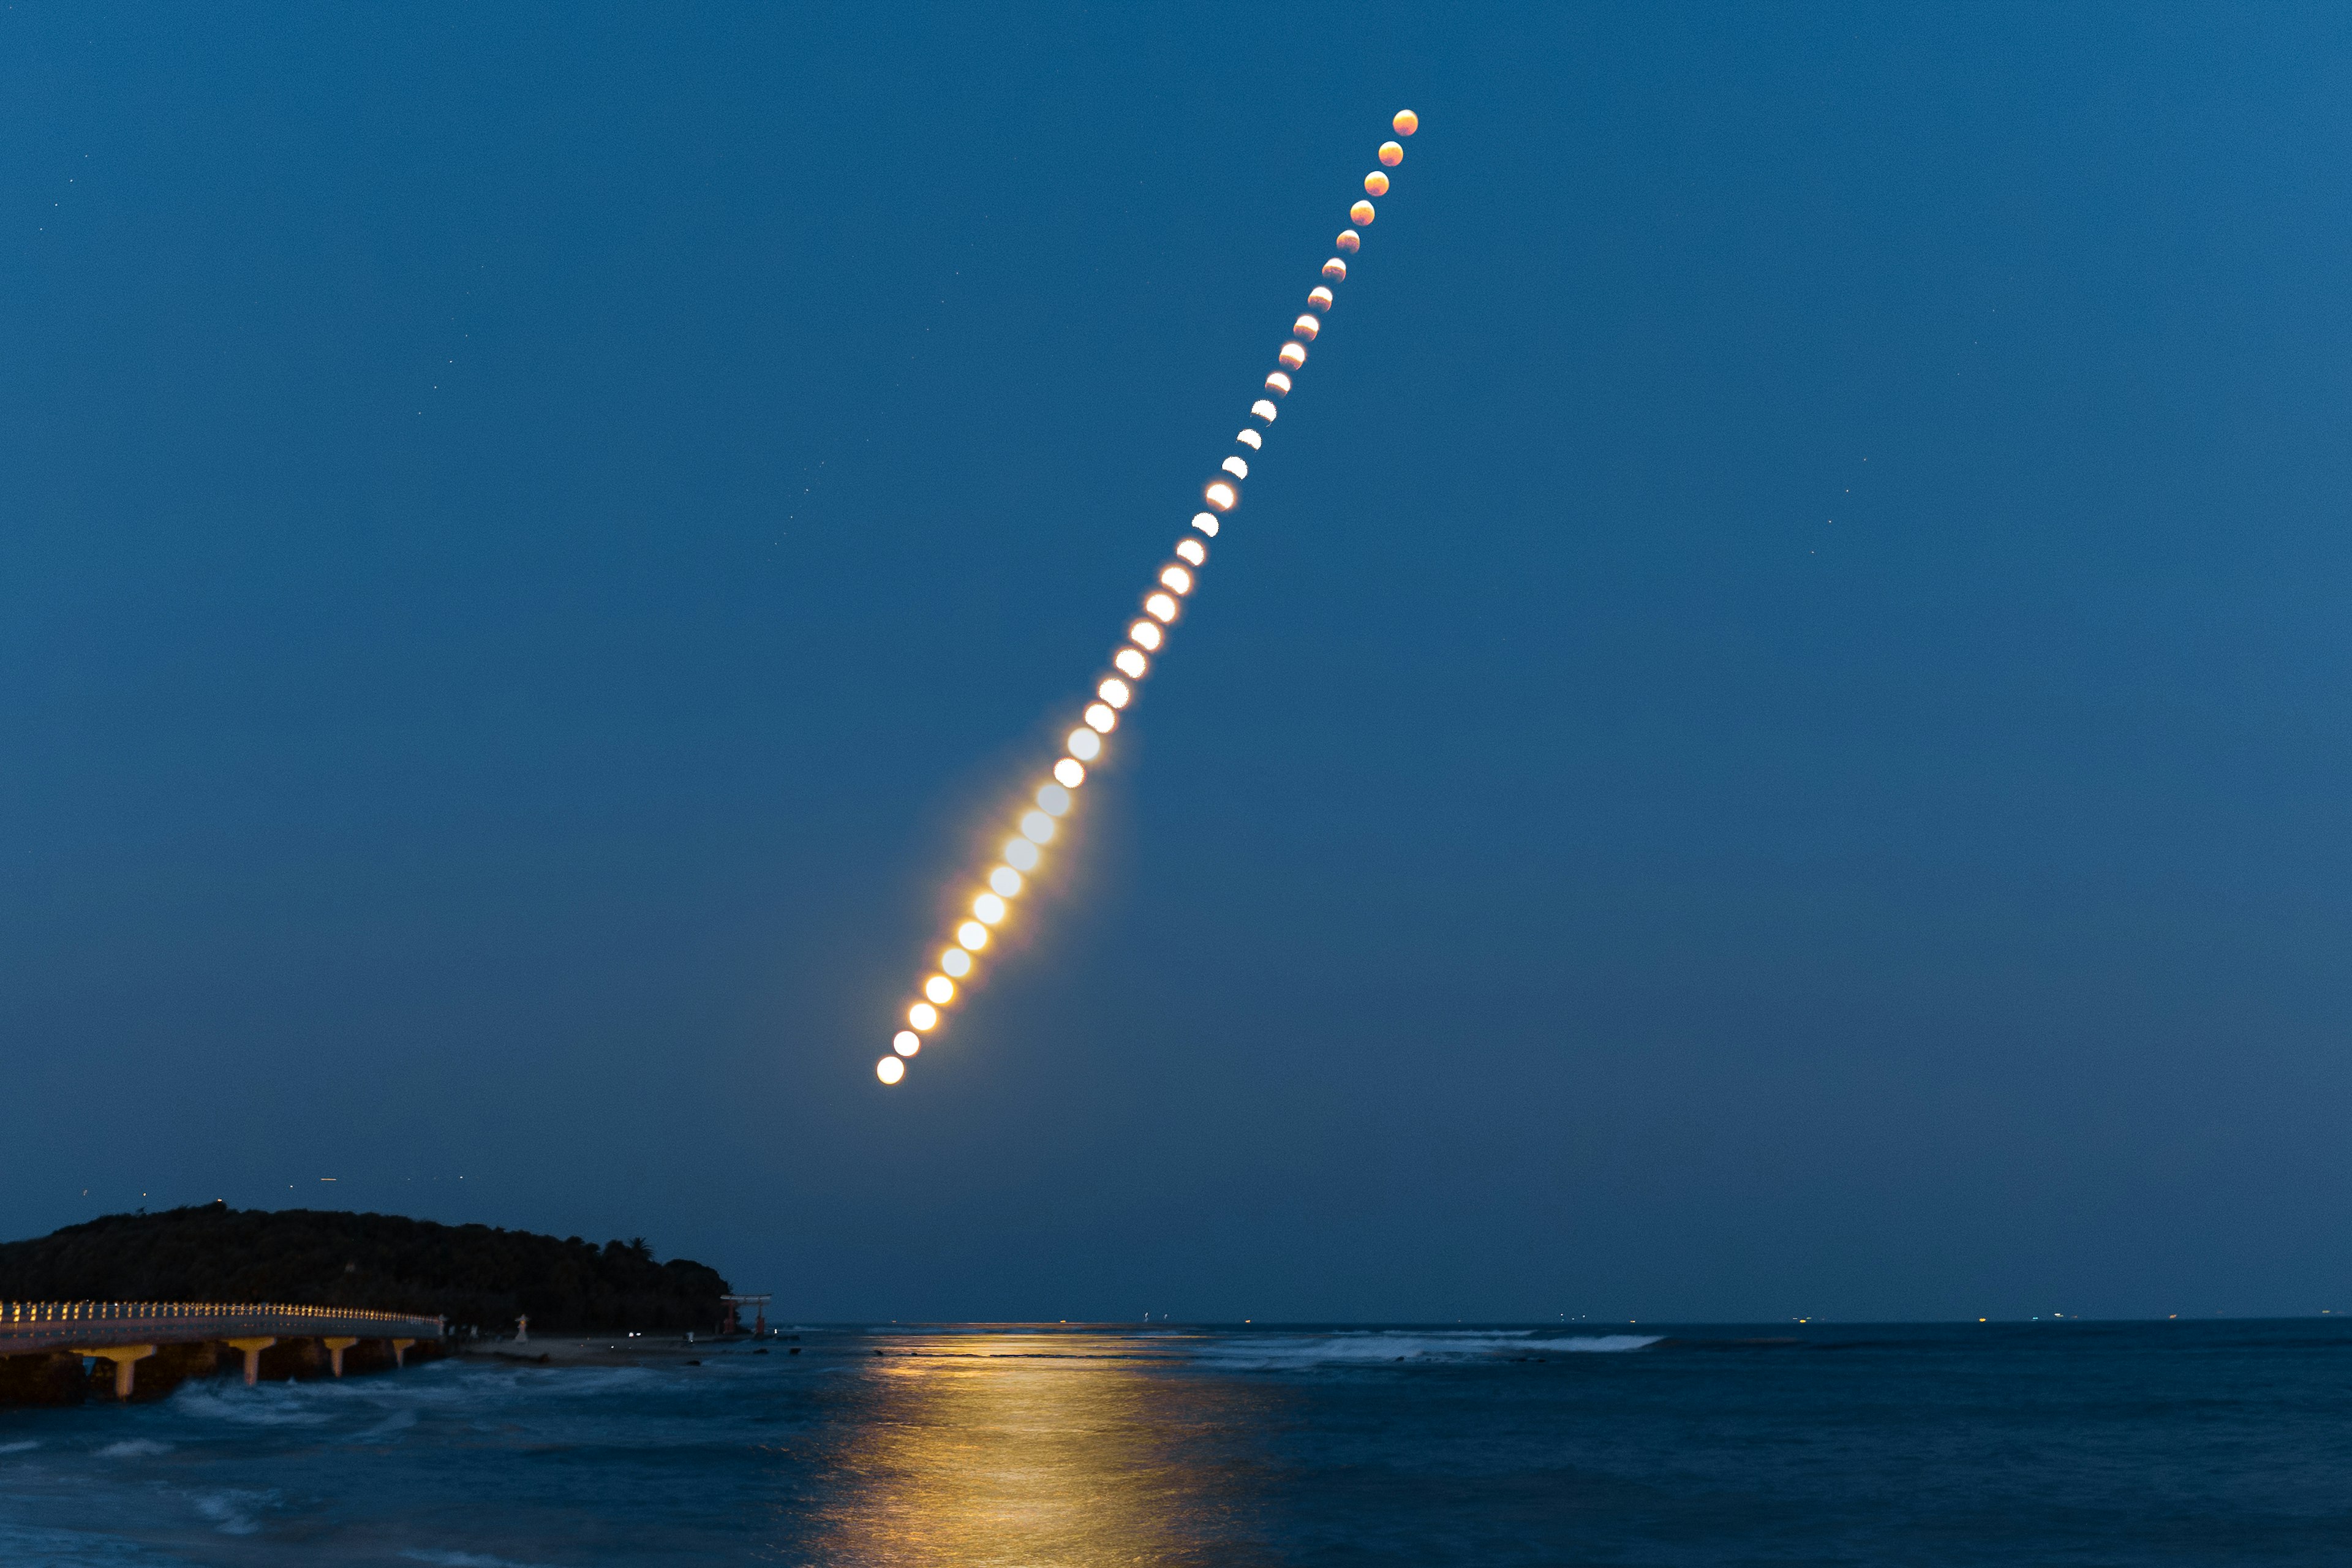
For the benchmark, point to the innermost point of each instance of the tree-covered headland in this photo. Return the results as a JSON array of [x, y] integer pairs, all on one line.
[[469, 1273]]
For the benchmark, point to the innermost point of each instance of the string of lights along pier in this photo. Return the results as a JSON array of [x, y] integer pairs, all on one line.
[[996, 894]]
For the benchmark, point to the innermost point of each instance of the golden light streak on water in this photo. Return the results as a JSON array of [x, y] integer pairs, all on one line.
[[1017, 1450]]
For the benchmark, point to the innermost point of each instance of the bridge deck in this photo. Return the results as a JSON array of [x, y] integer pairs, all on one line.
[[32, 1326]]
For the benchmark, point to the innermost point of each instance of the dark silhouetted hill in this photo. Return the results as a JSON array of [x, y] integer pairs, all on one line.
[[469, 1273]]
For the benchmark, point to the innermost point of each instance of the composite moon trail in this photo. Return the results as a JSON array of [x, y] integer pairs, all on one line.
[[994, 894]]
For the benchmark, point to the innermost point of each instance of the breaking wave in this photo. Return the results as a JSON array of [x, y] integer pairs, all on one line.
[[1371, 1346]]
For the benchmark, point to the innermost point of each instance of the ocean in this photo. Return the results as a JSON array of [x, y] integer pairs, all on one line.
[[2172, 1443]]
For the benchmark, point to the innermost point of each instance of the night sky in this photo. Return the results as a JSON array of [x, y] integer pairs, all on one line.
[[1771, 738]]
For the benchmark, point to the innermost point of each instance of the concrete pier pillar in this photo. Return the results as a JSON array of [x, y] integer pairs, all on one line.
[[335, 1348], [400, 1352], [126, 1360], [253, 1348]]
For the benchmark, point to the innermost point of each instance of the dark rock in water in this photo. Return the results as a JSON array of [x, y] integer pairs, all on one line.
[[55, 1379], [689, 1363]]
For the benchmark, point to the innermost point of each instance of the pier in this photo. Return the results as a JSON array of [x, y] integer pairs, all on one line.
[[44, 1345]]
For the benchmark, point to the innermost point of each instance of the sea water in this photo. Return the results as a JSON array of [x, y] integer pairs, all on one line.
[[2020, 1443]]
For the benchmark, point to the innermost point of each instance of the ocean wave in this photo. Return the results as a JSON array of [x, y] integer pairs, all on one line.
[[466, 1560], [133, 1449], [271, 1405], [20, 1448], [392, 1405], [231, 1512], [1369, 1346], [33, 1547], [1604, 1343], [392, 1425]]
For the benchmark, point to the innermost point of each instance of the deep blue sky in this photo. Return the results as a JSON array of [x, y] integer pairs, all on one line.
[[1773, 738]]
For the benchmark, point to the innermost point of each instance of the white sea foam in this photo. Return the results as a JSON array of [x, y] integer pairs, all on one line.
[[231, 1512], [133, 1449], [1602, 1343], [1373, 1345], [272, 1404], [20, 1448], [392, 1425]]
